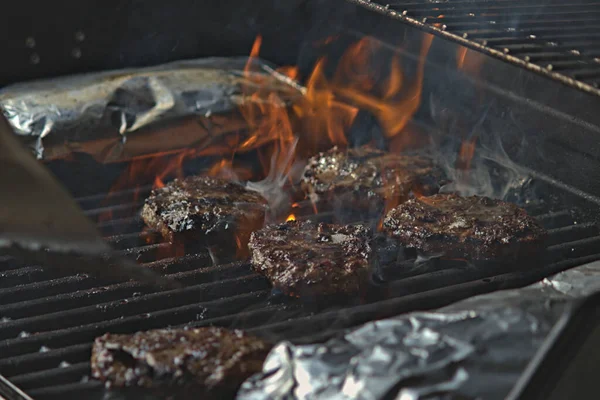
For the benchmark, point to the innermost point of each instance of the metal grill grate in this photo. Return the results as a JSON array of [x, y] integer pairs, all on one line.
[[49, 322], [557, 38]]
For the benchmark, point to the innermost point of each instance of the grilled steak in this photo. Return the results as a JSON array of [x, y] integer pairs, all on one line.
[[475, 228], [211, 360], [304, 258], [203, 211], [365, 179]]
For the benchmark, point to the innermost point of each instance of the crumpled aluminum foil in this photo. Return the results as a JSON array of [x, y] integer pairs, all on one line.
[[59, 116], [473, 349]]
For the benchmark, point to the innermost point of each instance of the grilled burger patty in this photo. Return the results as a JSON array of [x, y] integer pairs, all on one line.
[[366, 177], [204, 210], [476, 228], [304, 258], [213, 360]]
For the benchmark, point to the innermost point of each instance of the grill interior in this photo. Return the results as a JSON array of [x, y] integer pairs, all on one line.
[[49, 321], [553, 37]]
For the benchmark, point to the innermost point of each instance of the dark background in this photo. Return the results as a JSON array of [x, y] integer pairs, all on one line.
[[42, 39]]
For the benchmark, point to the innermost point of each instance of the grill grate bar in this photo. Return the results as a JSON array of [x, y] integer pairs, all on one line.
[[13, 277], [169, 317], [141, 311], [48, 360], [474, 5], [77, 390], [578, 248], [347, 317], [46, 288], [507, 25], [565, 38], [585, 74], [67, 313], [53, 377], [97, 295], [480, 285], [135, 239], [549, 57], [526, 48], [71, 284], [125, 195], [529, 33], [147, 253], [515, 29], [170, 265], [555, 219], [571, 233], [115, 211], [502, 20], [120, 226]]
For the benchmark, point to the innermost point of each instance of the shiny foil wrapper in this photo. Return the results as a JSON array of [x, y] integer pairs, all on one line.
[[118, 115], [473, 349]]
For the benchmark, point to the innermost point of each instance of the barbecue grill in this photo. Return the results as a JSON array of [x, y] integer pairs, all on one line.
[[52, 321], [538, 90]]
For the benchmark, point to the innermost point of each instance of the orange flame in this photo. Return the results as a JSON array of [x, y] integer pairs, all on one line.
[[158, 183], [322, 112], [219, 167], [469, 61], [239, 245], [461, 54], [290, 217], [256, 47], [392, 111], [467, 151], [322, 117]]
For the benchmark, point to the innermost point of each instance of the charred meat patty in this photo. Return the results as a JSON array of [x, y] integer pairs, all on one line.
[[304, 258], [205, 211], [474, 228], [212, 360], [365, 178]]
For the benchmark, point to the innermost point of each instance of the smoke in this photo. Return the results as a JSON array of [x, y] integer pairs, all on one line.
[[476, 164], [275, 187], [491, 173]]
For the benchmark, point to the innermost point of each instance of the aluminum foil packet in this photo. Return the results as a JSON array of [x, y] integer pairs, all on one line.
[[473, 349], [114, 115]]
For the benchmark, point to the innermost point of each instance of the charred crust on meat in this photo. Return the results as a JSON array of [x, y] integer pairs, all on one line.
[[204, 211], [308, 259], [365, 178], [211, 360], [472, 228]]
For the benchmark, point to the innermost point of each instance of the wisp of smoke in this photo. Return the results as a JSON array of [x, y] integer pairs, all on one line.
[[272, 188], [490, 172]]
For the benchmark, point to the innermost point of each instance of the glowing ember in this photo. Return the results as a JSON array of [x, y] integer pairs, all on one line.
[[291, 217]]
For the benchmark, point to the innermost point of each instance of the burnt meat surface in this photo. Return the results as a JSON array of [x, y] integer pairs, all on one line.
[[205, 211], [307, 259], [365, 178], [475, 228], [210, 360]]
